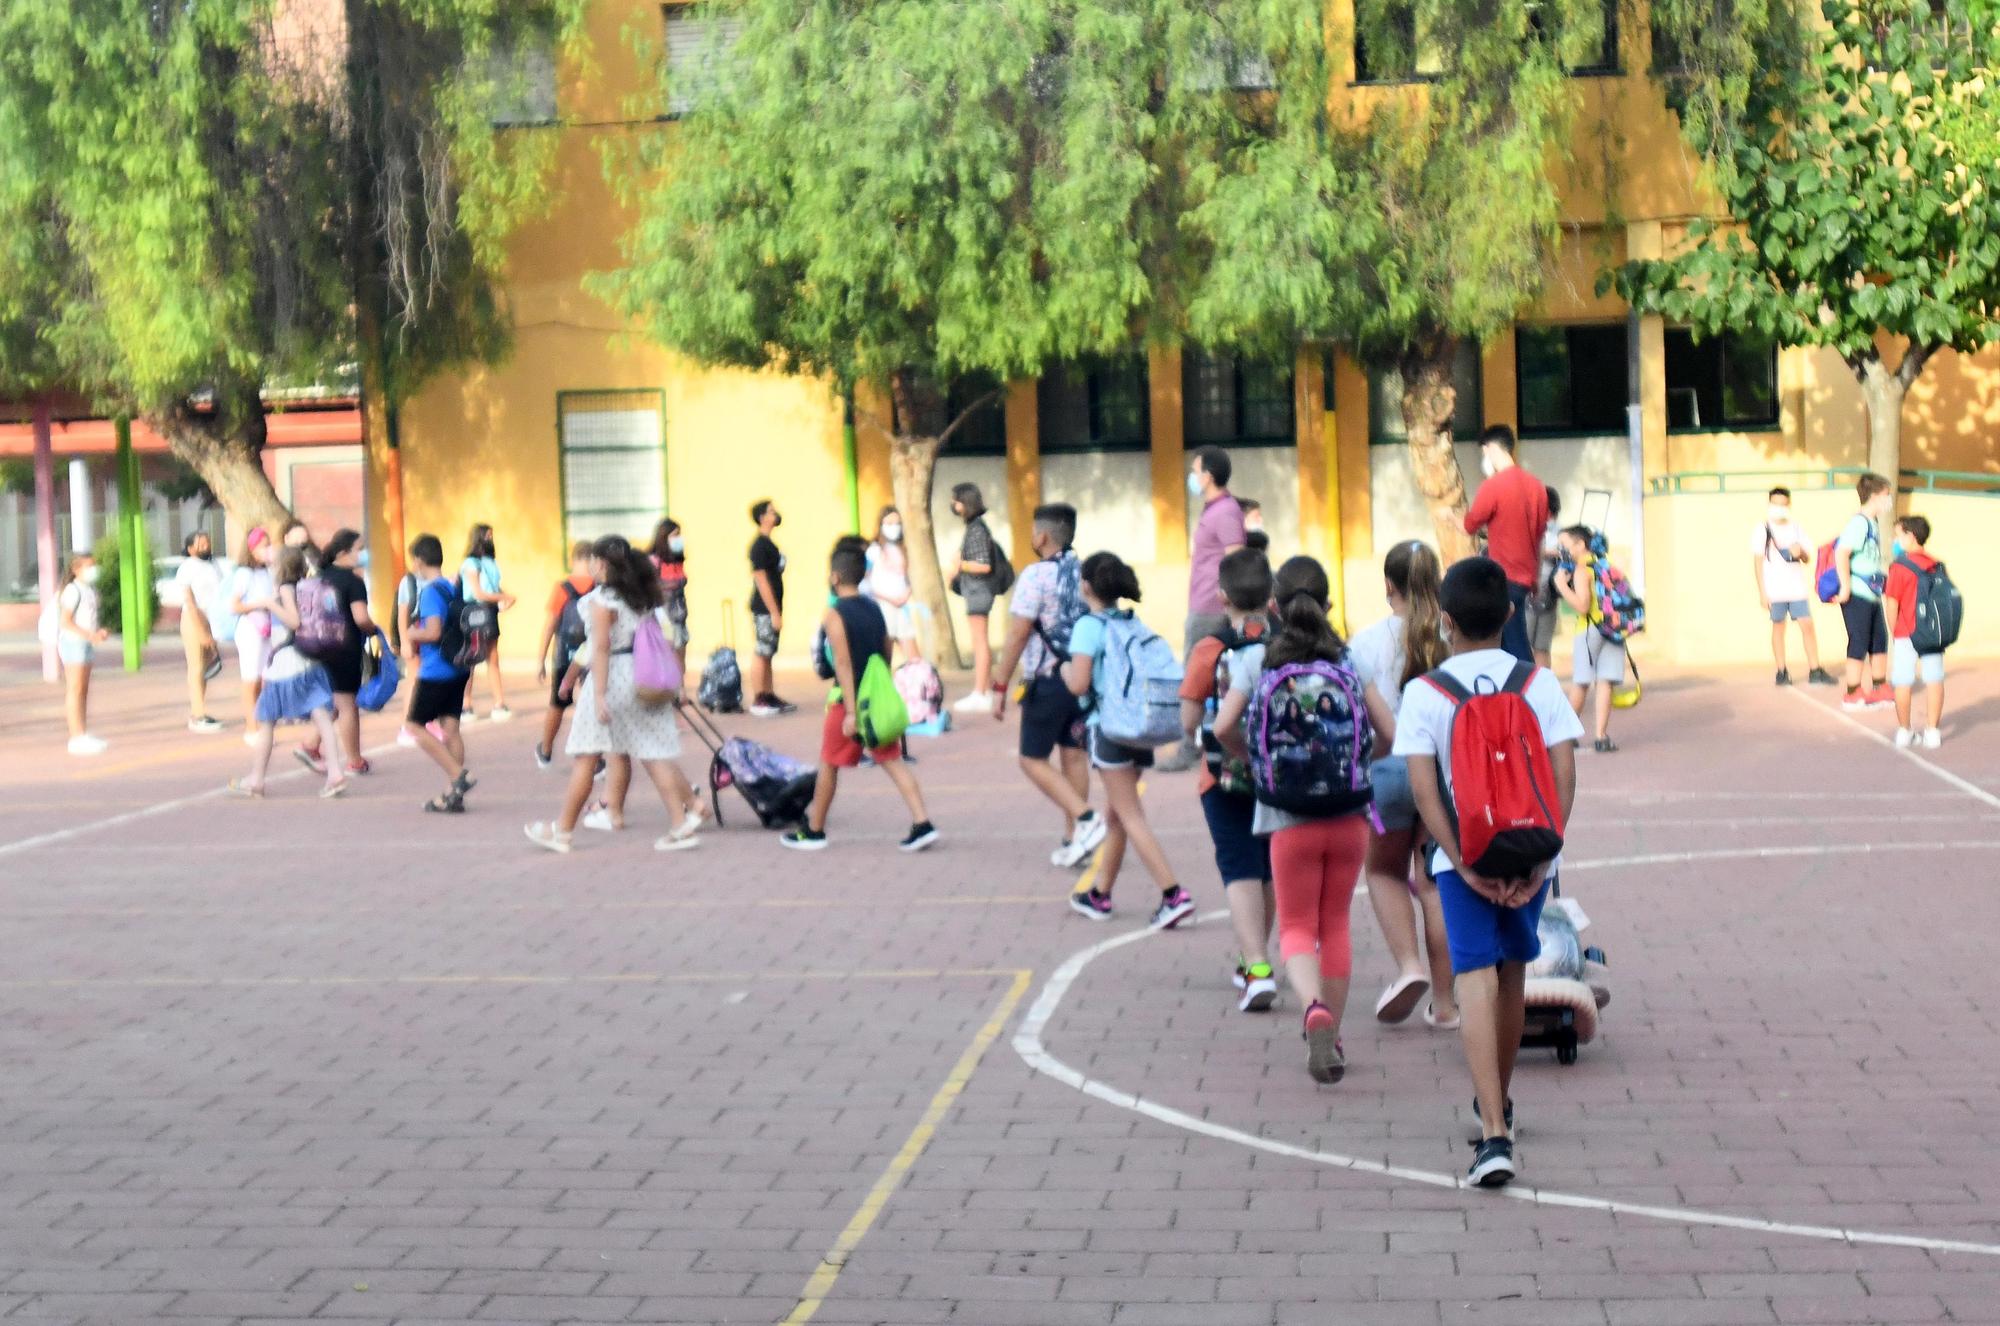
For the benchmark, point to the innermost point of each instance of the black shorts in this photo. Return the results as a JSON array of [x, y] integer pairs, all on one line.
[[556, 700], [343, 672], [432, 700], [1050, 717], [1867, 632]]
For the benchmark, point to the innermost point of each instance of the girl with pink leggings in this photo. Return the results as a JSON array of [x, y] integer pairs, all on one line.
[[1315, 861]]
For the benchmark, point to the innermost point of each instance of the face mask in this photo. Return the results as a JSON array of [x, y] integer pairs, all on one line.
[[893, 533], [677, 545], [88, 575], [1194, 484], [1488, 466], [777, 521], [1777, 515], [361, 559], [1896, 548], [1253, 527]]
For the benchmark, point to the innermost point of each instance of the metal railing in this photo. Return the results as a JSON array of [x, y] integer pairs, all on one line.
[[1810, 478]]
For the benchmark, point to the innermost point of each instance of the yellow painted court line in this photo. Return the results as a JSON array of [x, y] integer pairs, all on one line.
[[830, 1266], [504, 978]]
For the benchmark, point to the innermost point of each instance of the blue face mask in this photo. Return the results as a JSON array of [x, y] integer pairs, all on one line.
[[1194, 484], [361, 559], [1896, 549]]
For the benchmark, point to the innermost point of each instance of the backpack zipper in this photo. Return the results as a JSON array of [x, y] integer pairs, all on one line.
[[1533, 784]]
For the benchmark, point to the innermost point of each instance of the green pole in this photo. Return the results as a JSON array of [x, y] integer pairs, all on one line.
[[853, 464], [133, 568]]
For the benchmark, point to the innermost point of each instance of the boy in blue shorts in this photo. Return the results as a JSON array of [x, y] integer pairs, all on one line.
[[1490, 924]]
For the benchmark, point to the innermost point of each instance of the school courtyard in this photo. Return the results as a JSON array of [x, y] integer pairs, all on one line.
[[302, 1060]]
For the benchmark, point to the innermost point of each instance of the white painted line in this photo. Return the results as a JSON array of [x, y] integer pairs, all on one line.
[[1760, 853], [1028, 1044], [1966, 786]]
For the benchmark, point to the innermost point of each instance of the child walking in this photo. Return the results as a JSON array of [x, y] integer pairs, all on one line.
[[855, 633], [438, 698], [1388, 656], [78, 635], [1227, 802], [1597, 663], [1491, 924], [564, 630], [295, 688], [1911, 651], [1315, 856], [1107, 582]]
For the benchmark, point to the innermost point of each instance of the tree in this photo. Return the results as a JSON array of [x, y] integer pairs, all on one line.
[[1401, 230], [908, 195], [1859, 186], [198, 203]]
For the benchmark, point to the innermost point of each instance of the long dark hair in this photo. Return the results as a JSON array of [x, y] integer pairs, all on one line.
[[1110, 579], [1299, 594], [479, 543], [1413, 569], [628, 574], [663, 549]]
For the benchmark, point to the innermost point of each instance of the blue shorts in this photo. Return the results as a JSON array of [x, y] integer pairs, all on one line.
[[1395, 804], [1484, 934], [1797, 609], [1240, 855]]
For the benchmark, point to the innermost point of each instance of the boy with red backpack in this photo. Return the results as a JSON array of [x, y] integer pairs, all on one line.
[[1491, 745]]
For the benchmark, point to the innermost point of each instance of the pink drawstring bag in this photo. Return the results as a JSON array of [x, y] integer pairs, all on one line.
[[656, 669]]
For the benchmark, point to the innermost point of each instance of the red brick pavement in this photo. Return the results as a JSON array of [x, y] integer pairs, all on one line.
[[347, 1061]]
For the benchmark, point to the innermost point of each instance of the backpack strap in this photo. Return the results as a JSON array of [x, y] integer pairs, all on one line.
[[571, 590], [1517, 678], [1453, 689]]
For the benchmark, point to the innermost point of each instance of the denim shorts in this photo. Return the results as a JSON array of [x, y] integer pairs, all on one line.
[[75, 652], [1240, 855], [1484, 934], [1797, 609], [1906, 664], [1395, 806]]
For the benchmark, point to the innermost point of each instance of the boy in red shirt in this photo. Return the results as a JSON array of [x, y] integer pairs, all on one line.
[[1899, 604]]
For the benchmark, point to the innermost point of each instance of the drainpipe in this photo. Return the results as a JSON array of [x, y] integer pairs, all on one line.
[[1635, 441]]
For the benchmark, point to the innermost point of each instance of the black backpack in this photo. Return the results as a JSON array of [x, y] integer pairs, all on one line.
[[571, 629], [1940, 608]]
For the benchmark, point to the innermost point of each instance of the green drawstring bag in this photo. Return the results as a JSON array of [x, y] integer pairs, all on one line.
[[880, 716]]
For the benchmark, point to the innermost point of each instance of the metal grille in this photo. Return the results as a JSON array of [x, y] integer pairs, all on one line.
[[614, 462]]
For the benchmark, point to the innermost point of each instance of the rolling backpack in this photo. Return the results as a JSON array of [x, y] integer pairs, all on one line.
[[922, 691], [1502, 796], [323, 627], [1138, 693], [1939, 608], [1310, 740]]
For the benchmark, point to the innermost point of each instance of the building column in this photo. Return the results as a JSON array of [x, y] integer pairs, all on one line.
[[1170, 504], [1024, 466], [47, 555], [1353, 495], [1318, 469], [82, 503]]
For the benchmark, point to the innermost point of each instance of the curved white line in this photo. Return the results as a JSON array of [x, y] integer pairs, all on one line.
[[1028, 1044]]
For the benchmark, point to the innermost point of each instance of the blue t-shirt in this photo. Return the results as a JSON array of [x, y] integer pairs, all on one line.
[[1087, 637], [434, 600], [482, 571], [1863, 543]]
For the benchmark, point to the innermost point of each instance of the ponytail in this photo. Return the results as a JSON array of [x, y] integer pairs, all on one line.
[[1413, 569], [1110, 579], [1299, 593]]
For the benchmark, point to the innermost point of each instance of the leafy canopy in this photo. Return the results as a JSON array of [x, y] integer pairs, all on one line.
[[1862, 187]]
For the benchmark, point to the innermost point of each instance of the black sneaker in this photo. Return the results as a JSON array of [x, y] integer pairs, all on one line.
[[1784, 677], [1821, 677], [782, 706], [1175, 906], [464, 783], [919, 837], [1091, 904], [803, 839], [1492, 1164], [1507, 1118]]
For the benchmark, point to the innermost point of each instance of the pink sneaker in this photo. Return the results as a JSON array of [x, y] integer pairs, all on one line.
[[1881, 697], [1324, 1059]]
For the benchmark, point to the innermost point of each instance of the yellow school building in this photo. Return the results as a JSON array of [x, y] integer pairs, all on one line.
[[587, 428]]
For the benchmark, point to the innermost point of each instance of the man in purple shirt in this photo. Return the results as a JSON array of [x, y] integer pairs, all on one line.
[[1217, 533]]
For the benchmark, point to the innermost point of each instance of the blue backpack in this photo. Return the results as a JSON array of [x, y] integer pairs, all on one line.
[[1069, 606], [386, 675], [1310, 740], [1138, 688]]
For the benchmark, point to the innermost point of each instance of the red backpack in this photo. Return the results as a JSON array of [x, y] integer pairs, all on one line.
[[1503, 791]]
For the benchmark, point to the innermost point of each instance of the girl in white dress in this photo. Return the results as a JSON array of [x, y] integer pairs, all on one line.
[[888, 582]]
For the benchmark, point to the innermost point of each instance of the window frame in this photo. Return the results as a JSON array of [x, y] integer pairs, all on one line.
[[1717, 345], [1473, 354], [511, 60], [1240, 401], [1602, 67], [684, 11], [1570, 430], [1096, 368], [658, 397], [962, 390]]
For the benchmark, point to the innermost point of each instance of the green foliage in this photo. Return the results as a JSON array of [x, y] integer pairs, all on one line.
[[1862, 191], [111, 591], [181, 484], [17, 477]]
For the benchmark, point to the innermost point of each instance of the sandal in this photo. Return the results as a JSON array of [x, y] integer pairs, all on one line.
[[545, 835], [680, 840], [1604, 745], [238, 788], [446, 803], [332, 790], [360, 767], [464, 783], [1400, 1000], [1431, 1019]]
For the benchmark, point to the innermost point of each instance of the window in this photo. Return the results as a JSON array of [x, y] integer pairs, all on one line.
[[1411, 59], [1233, 401], [523, 78], [698, 46], [1724, 382], [614, 461], [1668, 55], [984, 433], [1385, 400], [1571, 379], [1234, 67], [1602, 38], [1099, 403]]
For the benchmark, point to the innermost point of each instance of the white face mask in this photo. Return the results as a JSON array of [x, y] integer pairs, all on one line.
[[1194, 484], [1487, 465], [88, 575], [893, 533], [1778, 515], [677, 545]]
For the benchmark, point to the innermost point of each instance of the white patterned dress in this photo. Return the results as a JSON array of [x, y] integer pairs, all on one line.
[[644, 732]]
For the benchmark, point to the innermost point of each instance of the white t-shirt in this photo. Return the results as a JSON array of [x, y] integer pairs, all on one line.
[[198, 578], [1423, 725], [80, 602], [1376, 654], [1784, 582]]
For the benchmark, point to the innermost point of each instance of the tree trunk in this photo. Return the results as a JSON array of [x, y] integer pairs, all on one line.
[[1882, 392], [1428, 401], [225, 447], [912, 467]]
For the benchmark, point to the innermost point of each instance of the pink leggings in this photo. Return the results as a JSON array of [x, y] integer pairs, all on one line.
[[1313, 870]]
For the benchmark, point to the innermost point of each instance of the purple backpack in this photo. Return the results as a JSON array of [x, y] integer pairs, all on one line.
[[656, 668], [1310, 740]]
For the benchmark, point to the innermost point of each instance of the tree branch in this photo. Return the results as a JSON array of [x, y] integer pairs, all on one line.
[[979, 403], [1913, 363]]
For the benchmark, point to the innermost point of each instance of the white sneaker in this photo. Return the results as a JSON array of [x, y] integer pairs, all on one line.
[[87, 745], [600, 819], [1090, 831], [468, 718], [979, 702], [1060, 856], [204, 726], [250, 740], [1904, 738], [1259, 993], [501, 715], [1933, 738], [404, 739]]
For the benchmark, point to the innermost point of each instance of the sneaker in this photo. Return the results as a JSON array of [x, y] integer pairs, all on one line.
[[360, 767], [436, 729], [979, 702], [763, 708], [1933, 738], [548, 837], [919, 837], [782, 706], [677, 841], [204, 725], [1881, 697], [467, 718], [1506, 1117], [1431, 1019], [1060, 857], [1854, 700], [87, 745], [599, 818], [405, 739], [501, 714], [803, 839], [213, 670], [1324, 1060], [1821, 677], [544, 758], [1905, 738], [311, 759], [1260, 989], [1091, 904], [1401, 998], [1784, 677], [1175, 906], [1492, 1164], [1090, 831]]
